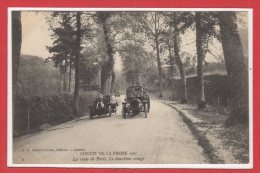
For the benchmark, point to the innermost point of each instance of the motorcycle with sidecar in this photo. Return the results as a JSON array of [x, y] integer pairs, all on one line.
[[102, 106]]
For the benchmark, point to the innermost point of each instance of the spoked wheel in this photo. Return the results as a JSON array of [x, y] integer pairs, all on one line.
[[109, 110], [123, 112], [148, 110], [90, 114], [145, 110]]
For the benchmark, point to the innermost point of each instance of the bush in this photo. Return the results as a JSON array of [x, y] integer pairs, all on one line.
[[37, 78], [47, 110]]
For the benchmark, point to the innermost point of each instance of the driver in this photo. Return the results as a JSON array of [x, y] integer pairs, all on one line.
[[99, 100]]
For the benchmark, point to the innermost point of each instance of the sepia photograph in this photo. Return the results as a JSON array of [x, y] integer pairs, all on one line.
[[130, 88]]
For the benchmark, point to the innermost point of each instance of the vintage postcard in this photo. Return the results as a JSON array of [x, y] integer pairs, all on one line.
[[130, 88]]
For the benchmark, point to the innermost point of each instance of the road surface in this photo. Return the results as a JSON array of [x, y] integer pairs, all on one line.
[[162, 138]]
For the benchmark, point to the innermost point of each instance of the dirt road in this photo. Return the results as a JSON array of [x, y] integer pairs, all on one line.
[[162, 138]]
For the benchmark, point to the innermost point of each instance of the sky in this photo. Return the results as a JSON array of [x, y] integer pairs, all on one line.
[[36, 36]]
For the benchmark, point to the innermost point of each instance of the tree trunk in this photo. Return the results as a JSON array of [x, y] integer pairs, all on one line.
[[179, 62], [16, 50], [202, 103], [104, 78], [77, 57], [60, 80], [172, 69], [65, 75], [158, 55], [16, 45], [183, 80], [108, 85], [159, 66], [113, 76], [236, 68], [107, 68], [70, 75]]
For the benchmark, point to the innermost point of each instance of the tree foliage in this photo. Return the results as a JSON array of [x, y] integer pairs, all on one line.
[[64, 38], [149, 45], [153, 25]]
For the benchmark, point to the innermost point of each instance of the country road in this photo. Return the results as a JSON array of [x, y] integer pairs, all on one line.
[[162, 138]]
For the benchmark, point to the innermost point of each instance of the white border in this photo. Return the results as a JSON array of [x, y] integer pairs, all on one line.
[[250, 87], [204, 166]]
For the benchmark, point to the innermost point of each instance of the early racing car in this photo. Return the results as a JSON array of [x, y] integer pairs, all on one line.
[[102, 106], [136, 101]]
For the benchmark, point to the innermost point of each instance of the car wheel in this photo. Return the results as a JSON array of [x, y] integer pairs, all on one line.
[[109, 111], [145, 110], [148, 106], [123, 112], [90, 114]]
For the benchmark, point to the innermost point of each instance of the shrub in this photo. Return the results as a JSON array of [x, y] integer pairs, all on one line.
[[46, 110]]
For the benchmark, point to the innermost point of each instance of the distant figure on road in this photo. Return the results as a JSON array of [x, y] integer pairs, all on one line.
[[99, 95]]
